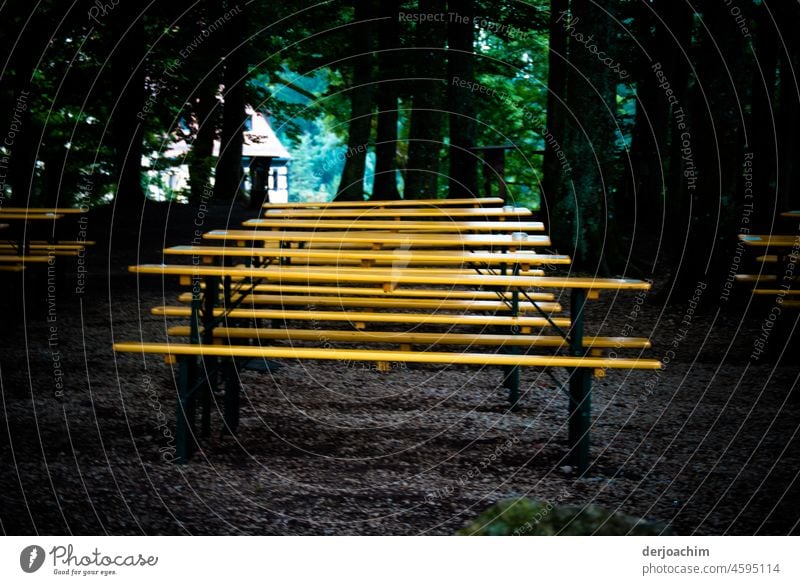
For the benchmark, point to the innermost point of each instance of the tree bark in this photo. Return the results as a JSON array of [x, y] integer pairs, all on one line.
[[463, 180], [228, 177], [553, 182], [351, 185], [385, 183], [127, 123], [580, 222], [425, 126]]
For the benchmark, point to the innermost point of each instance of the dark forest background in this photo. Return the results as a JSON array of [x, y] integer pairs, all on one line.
[[648, 134]]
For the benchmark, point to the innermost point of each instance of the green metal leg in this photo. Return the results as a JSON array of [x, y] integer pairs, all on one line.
[[209, 364], [232, 391], [580, 388], [183, 423]]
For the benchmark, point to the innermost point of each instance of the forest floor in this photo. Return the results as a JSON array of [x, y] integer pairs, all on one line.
[[709, 445]]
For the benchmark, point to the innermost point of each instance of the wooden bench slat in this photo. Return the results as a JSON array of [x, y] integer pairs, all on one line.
[[411, 256], [401, 212], [371, 275], [388, 203], [269, 352], [416, 338], [776, 291], [370, 238], [413, 293], [370, 317], [394, 225], [391, 303]]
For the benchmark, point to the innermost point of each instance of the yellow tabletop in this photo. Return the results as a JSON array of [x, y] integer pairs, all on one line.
[[775, 241], [394, 225], [391, 256], [368, 238], [393, 277], [466, 201], [41, 210], [794, 214], [25, 216], [410, 212]]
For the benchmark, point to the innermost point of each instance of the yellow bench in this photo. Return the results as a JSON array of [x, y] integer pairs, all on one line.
[[411, 256], [410, 338], [394, 225], [401, 213], [383, 303], [465, 201], [379, 239]]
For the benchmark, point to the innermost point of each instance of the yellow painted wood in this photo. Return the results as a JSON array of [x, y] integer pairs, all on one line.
[[6, 216], [768, 258], [64, 242], [392, 256], [390, 303], [11, 268], [795, 214], [401, 213], [776, 291], [387, 355], [35, 253], [465, 201], [378, 238], [416, 338], [27, 258], [792, 304], [370, 317], [45, 247], [397, 226], [414, 293], [43, 210], [760, 278], [380, 276], [774, 240]]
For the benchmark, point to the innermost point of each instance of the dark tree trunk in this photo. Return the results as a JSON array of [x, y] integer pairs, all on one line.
[[351, 185], [228, 176], [203, 107], [385, 184], [18, 124], [787, 196], [763, 123], [127, 124], [463, 180], [425, 127], [579, 222], [555, 165]]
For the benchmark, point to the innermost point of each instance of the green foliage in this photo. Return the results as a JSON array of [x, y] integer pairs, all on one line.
[[524, 517]]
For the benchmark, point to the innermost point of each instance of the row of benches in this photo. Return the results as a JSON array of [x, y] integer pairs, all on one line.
[[18, 250], [484, 276]]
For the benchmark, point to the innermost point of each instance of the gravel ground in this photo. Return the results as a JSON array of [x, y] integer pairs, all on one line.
[[708, 446]]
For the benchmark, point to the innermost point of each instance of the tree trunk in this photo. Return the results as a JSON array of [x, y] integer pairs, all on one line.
[[579, 222], [228, 176], [554, 169], [127, 125], [787, 196], [463, 180], [425, 126], [351, 185], [385, 183], [763, 130], [203, 107]]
